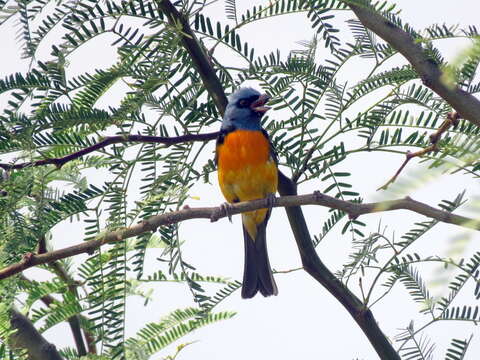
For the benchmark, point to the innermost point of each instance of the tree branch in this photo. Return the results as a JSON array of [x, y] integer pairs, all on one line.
[[291, 203], [27, 337], [110, 140], [467, 106], [317, 269], [73, 322], [200, 59]]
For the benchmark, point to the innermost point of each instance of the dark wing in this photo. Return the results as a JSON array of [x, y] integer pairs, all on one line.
[[273, 153]]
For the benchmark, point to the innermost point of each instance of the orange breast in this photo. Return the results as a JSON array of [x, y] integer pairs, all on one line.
[[242, 148], [246, 170]]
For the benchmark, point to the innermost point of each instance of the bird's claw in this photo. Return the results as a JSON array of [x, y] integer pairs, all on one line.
[[270, 201], [227, 208], [224, 209]]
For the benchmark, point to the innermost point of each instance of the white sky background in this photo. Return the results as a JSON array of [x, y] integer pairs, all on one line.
[[304, 321]]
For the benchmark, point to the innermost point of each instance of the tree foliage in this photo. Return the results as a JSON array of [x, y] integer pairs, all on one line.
[[52, 112]]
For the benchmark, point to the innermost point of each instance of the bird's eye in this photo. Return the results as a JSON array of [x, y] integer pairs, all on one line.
[[242, 103]]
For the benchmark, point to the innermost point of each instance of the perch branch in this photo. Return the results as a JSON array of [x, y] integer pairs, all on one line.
[[214, 213]]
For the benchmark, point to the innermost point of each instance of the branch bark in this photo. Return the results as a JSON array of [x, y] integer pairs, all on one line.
[[467, 106], [27, 337], [73, 322]]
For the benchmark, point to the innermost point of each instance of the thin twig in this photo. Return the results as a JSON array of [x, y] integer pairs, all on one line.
[[287, 271], [72, 285], [110, 140], [451, 120]]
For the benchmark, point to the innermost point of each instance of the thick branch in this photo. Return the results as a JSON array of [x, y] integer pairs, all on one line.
[[197, 53], [214, 213], [110, 140], [467, 106], [317, 269], [73, 321], [27, 337]]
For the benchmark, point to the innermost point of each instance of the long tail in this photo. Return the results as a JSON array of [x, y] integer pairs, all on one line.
[[257, 274]]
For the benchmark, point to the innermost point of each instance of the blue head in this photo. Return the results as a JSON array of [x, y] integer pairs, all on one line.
[[245, 108]]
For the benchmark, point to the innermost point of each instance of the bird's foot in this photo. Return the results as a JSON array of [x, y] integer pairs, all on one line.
[[271, 199], [227, 208], [224, 209], [317, 195]]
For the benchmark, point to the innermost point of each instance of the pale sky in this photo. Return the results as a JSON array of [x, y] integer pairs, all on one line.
[[304, 321]]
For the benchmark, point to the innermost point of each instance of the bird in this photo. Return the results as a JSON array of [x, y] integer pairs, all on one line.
[[247, 170]]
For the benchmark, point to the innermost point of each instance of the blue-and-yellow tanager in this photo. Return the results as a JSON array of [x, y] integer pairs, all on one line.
[[247, 170]]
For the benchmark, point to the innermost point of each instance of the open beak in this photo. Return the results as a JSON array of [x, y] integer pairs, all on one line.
[[259, 104]]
